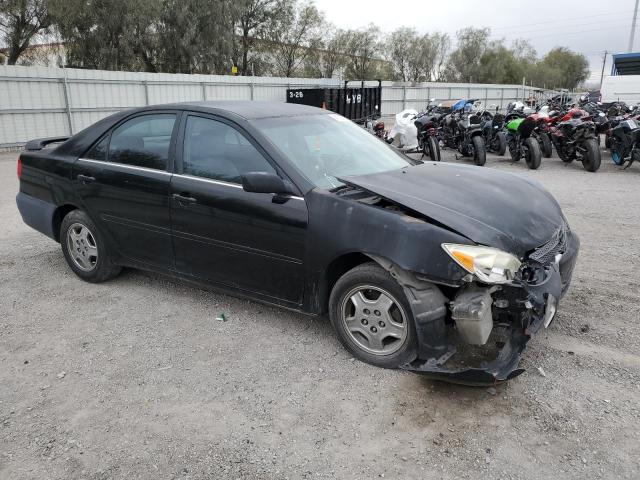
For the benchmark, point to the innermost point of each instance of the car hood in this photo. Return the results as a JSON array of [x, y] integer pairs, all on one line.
[[489, 207]]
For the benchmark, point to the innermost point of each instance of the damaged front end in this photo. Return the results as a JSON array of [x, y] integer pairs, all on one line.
[[476, 334]]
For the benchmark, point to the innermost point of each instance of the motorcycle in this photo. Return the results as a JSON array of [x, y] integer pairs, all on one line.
[[462, 130], [574, 138], [404, 134], [492, 129], [541, 131], [625, 142], [427, 125], [521, 141], [375, 127]]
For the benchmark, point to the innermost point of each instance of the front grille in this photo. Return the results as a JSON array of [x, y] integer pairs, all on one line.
[[546, 253]]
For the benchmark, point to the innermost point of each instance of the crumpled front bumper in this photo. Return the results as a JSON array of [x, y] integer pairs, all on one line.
[[530, 306]]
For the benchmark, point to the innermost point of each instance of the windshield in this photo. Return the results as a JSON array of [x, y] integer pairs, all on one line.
[[325, 147]]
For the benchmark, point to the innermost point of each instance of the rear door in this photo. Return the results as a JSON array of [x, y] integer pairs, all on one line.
[[123, 181], [253, 242]]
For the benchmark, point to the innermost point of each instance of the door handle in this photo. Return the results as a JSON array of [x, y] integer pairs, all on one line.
[[182, 199], [86, 178]]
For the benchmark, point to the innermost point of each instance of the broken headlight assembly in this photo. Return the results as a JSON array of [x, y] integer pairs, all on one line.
[[489, 265]]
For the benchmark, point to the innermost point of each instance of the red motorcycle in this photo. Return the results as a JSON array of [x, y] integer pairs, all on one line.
[[542, 133], [574, 137]]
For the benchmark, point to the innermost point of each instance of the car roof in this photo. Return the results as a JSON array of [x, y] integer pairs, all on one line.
[[248, 109]]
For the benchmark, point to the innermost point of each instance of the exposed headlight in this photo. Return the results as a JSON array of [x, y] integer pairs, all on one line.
[[490, 265]]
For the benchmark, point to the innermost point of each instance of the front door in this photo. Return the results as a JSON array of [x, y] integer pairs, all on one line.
[[253, 242], [123, 181]]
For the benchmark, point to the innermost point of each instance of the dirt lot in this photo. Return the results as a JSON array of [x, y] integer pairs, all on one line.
[[136, 378]]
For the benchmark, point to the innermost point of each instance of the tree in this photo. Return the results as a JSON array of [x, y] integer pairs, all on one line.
[[464, 61], [402, 47], [562, 68], [363, 47], [20, 22], [333, 47], [254, 17], [291, 35], [197, 36]]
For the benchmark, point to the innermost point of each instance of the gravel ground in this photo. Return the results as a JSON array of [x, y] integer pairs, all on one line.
[[136, 378]]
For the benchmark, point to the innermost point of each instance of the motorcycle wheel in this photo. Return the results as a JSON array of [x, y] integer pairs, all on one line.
[[545, 145], [617, 154], [533, 155], [434, 149], [591, 157], [479, 150], [502, 143], [514, 151]]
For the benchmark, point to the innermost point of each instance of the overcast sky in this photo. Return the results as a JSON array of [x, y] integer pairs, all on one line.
[[586, 26]]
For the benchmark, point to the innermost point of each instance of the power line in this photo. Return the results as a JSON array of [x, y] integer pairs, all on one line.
[[563, 21], [557, 28]]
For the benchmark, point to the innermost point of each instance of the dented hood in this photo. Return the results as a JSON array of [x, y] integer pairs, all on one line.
[[489, 207]]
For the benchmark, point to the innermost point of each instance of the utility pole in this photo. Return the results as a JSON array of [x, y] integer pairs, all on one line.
[[633, 27], [604, 60]]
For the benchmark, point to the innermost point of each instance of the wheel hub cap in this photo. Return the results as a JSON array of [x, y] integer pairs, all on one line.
[[82, 247], [374, 320]]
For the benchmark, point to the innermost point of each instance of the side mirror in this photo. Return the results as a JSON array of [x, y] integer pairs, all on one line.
[[265, 182]]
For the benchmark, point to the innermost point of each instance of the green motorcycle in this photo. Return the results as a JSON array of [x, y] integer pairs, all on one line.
[[521, 143]]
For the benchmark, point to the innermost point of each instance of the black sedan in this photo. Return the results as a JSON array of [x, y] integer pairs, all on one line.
[[441, 269]]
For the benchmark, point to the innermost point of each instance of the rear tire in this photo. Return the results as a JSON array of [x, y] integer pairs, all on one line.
[[479, 150], [502, 143], [545, 145], [533, 155], [84, 248], [434, 149], [591, 158], [371, 277]]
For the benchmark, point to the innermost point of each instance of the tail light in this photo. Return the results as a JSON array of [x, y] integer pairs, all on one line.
[[19, 167]]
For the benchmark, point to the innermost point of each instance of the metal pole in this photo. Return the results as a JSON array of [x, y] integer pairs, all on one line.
[[146, 92], [604, 60], [404, 97], [65, 89], [204, 91], [633, 27], [251, 87]]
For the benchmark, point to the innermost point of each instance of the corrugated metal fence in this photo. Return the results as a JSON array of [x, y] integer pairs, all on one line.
[[43, 102]]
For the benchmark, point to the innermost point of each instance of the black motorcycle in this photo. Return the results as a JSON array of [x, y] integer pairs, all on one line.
[[462, 131], [574, 138], [625, 142], [492, 131], [427, 125]]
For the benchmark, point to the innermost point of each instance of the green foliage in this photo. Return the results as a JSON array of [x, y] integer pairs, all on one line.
[[20, 22], [270, 37]]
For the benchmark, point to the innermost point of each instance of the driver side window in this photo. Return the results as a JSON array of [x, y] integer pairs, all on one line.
[[215, 150]]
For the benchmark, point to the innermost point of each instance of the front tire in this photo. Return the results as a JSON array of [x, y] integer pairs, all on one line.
[[84, 248], [434, 149], [479, 150], [502, 143], [591, 158], [533, 155], [372, 317], [545, 145]]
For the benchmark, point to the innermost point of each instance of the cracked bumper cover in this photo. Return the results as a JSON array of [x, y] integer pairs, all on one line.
[[528, 304]]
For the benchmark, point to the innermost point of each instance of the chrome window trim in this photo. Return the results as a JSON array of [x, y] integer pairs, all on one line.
[[224, 183], [164, 172], [124, 165]]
